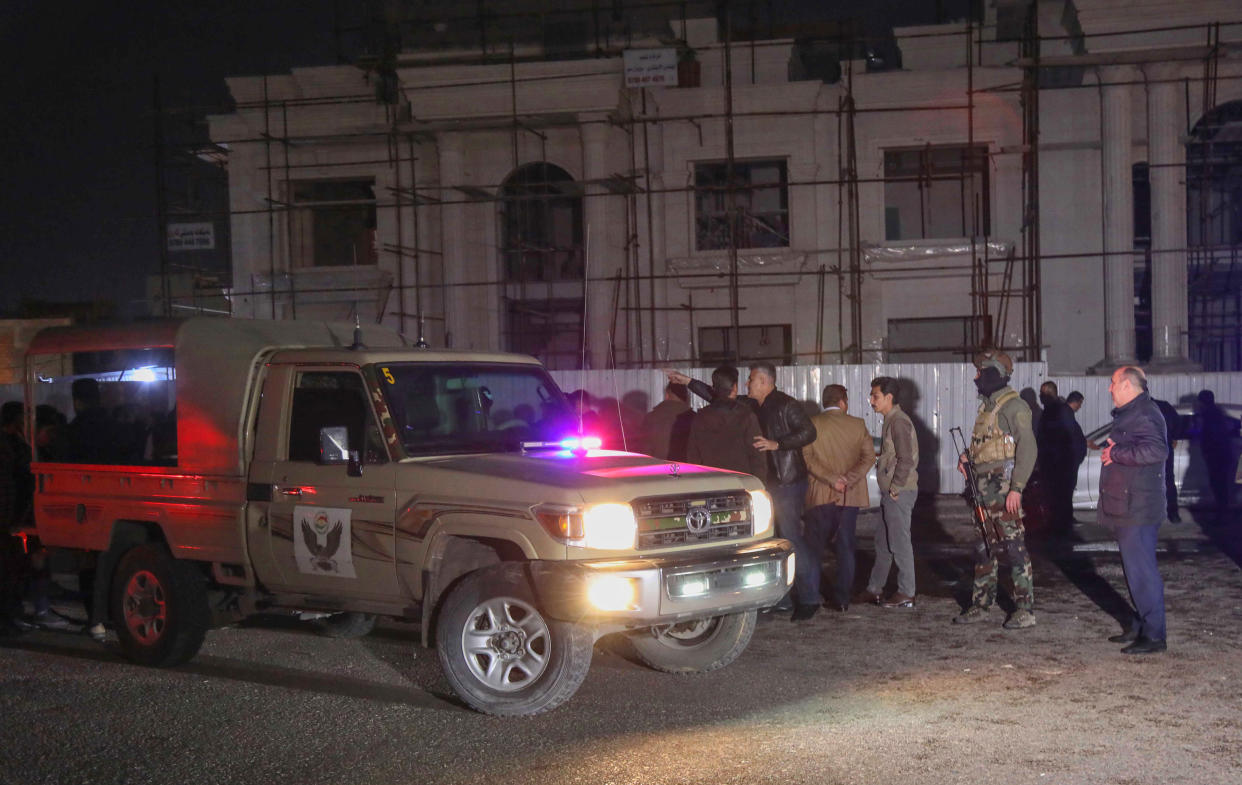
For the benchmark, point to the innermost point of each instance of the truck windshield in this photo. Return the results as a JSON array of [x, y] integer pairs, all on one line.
[[441, 408]]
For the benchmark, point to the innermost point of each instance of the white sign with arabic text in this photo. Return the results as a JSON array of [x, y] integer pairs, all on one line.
[[650, 67]]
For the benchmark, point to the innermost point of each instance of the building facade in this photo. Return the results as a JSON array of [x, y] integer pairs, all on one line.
[[1060, 179]]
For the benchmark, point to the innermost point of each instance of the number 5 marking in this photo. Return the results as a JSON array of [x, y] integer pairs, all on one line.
[[388, 376]]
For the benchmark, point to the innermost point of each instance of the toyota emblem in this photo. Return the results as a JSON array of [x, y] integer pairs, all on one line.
[[698, 520]]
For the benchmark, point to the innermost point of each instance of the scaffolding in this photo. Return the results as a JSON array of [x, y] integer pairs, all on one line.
[[545, 275]]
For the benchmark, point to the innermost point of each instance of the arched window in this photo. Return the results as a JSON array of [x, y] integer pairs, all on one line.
[[1214, 231], [1214, 178], [541, 224]]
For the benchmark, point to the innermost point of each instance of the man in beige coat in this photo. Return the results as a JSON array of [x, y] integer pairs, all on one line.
[[837, 463]]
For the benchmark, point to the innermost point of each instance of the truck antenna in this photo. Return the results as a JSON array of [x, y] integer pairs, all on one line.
[[422, 342], [357, 344]]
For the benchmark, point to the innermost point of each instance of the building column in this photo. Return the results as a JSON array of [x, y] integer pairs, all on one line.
[[1117, 185], [595, 216], [453, 240], [1166, 156]]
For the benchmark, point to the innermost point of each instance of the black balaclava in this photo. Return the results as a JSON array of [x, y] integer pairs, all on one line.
[[989, 381]]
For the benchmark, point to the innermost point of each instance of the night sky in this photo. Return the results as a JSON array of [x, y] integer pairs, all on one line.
[[79, 210]]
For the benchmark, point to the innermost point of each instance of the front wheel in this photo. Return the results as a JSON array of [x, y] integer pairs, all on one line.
[[500, 654], [159, 607], [695, 646]]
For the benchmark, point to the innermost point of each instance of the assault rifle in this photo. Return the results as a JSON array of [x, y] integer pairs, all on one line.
[[971, 494]]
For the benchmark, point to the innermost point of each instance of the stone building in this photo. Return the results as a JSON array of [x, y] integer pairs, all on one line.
[[1062, 179]]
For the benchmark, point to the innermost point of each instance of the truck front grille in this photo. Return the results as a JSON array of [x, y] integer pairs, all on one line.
[[677, 520]]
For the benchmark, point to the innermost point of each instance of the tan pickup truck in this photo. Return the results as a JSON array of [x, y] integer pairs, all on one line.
[[219, 468]]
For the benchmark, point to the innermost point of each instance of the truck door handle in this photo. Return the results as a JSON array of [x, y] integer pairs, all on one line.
[[294, 490]]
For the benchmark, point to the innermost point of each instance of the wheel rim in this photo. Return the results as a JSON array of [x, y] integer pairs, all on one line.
[[145, 607], [687, 634], [506, 644]]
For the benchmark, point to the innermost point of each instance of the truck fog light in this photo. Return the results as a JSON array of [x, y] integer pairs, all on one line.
[[689, 586], [754, 578], [613, 593], [789, 570]]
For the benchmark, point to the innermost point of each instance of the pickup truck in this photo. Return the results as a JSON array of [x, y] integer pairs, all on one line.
[[219, 468]]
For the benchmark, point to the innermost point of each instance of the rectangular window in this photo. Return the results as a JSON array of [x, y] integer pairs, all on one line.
[[771, 342], [458, 407], [125, 411], [333, 223], [933, 193], [945, 339], [333, 399], [748, 210], [550, 330]]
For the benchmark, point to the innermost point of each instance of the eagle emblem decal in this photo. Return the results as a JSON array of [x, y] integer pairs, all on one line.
[[322, 541]]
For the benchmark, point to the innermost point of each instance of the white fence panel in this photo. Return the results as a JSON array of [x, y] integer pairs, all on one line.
[[937, 396]]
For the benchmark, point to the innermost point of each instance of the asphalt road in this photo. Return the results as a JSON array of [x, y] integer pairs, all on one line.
[[869, 696]]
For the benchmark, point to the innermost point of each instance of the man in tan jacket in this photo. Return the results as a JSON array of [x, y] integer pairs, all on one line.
[[836, 463], [898, 478]]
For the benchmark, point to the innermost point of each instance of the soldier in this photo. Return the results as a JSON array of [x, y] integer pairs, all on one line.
[[1003, 451]]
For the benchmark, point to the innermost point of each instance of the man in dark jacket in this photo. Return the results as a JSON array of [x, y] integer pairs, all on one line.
[[14, 468], [667, 427], [1056, 438], [723, 433], [1172, 432], [1132, 503], [93, 436], [786, 430]]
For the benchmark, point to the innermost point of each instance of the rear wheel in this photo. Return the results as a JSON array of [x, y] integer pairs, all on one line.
[[695, 646], [345, 625], [500, 653], [159, 607]]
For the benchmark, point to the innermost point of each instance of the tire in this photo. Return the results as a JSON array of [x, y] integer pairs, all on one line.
[[345, 625], [159, 607], [500, 654], [697, 646]]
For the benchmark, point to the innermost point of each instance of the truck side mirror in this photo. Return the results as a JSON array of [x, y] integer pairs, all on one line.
[[333, 444]]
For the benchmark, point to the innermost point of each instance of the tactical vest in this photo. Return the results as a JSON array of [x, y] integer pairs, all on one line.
[[988, 443]]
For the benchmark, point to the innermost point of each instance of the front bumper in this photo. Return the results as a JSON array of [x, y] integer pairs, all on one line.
[[669, 589]]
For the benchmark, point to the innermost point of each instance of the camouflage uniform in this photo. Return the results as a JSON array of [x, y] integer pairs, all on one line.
[[1002, 448]]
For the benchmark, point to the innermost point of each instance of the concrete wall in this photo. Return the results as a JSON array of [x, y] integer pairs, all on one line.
[[15, 336]]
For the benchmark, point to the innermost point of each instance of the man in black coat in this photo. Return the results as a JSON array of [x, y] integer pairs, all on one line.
[[1058, 458], [1172, 432], [1132, 503], [786, 430]]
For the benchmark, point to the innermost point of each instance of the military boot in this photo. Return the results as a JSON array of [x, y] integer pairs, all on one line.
[[1020, 620], [973, 614]]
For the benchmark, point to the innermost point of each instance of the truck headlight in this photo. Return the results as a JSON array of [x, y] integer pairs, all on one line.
[[760, 512], [609, 526]]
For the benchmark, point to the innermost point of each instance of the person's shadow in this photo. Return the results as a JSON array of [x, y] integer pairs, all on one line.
[[1079, 569], [925, 521]]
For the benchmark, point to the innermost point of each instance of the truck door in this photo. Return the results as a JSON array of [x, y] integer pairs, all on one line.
[[329, 533]]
